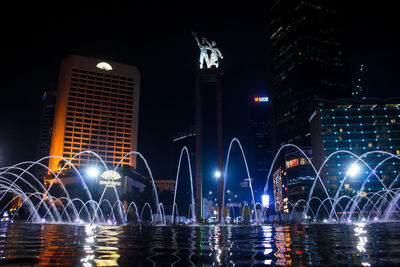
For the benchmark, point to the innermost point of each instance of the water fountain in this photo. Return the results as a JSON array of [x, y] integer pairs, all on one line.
[[18, 183], [341, 208]]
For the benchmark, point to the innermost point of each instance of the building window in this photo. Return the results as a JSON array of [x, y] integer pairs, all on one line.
[[292, 163]]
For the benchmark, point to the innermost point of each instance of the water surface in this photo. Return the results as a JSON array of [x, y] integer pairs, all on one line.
[[317, 245]]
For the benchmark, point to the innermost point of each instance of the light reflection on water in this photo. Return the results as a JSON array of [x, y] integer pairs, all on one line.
[[360, 244]]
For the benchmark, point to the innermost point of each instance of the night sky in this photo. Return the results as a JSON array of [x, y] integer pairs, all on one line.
[[157, 39]]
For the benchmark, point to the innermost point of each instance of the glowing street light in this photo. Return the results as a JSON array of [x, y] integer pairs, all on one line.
[[353, 170], [92, 172], [217, 174]]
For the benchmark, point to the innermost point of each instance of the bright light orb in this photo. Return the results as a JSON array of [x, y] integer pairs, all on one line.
[[217, 174], [265, 201], [92, 172], [353, 170]]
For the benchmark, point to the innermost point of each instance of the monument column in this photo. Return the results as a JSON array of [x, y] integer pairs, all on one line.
[[220, 147], [199, 178], [210, 74]]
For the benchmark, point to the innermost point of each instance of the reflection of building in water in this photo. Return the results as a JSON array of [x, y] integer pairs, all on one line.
[[51, 252], [101, 246], [362, 241], [106, 248], [283, 242]]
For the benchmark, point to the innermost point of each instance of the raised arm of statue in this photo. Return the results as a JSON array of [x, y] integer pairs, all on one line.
[[197, 39]]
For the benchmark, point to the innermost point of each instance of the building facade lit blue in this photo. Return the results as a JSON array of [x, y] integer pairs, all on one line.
[[359, 126]]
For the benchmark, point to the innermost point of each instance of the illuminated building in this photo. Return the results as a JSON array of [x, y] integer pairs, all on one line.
[[261, 131], [46, 127], [358, 126], [279, 190], [306, 60], [299, 175], [97, 109]]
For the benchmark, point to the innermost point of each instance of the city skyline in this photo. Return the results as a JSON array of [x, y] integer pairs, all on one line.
[[167, 62], [119, 147]]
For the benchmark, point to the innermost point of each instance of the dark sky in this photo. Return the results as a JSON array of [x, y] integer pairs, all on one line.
[[156, 38]]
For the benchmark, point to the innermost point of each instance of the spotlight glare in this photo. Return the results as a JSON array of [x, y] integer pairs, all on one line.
[[217, 174], [265, 201], [92, 172], [353, 170]]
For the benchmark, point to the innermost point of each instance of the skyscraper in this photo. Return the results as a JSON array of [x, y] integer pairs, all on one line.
[[261, 132], [307, 60], [46, 124], [97, 109]]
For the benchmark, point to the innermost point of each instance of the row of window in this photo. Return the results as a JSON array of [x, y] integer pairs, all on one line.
[[69, 140], [100, 86], [78, 162], [96, 137], [374, 107], [383, 148], [366, 116], [121, 93], [77, 71], [72, 147], [95, 119], [100, 153], [95, 125], [85, 78], [355, 129], [105, 106], [97, 109], [92, 99], [113, 127]]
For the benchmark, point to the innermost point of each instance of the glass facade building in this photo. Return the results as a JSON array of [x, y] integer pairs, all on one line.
[[306, 60], [360, 127], [261, 133]]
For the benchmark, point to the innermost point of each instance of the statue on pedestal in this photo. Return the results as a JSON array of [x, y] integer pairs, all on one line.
[[211, 58]]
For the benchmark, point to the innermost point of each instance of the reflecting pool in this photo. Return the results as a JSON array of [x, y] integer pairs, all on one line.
[[358, 244]]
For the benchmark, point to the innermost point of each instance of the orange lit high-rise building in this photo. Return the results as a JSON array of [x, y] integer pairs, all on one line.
[[97, 109]]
